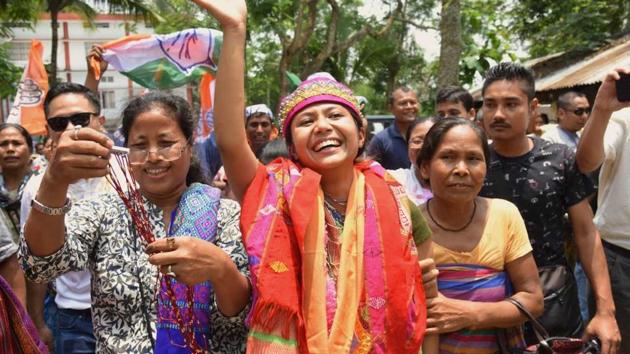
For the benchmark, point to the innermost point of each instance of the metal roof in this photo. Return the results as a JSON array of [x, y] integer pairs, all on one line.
[[589, 71]]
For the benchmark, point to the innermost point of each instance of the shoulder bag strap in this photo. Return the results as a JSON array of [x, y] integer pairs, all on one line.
[[541, 332]]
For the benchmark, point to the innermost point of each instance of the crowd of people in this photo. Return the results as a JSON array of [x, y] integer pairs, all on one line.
[[292, 233]]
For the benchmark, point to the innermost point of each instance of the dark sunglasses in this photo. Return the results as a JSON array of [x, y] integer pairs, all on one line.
[[60, 123], [580, 111]]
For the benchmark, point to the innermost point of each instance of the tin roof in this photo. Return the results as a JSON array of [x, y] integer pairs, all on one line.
[[589, 71]]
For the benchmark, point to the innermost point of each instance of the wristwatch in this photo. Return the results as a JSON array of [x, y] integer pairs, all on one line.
[[51, 211]]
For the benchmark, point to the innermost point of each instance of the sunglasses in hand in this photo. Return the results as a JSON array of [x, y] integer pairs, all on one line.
[[60, 123]]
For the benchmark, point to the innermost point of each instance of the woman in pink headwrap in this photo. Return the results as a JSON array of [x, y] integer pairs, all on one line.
[[330, 240]]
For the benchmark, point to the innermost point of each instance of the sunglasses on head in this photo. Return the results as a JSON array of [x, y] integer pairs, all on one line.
[[60, 123], [580, 111]]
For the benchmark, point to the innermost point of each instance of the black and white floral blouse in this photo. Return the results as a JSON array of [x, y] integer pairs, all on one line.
[[99, 237]]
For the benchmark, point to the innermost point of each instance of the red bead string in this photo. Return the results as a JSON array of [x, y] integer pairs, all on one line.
[[133, 201]]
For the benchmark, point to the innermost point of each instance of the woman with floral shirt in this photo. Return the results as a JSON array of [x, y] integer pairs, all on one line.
[[198, 238]]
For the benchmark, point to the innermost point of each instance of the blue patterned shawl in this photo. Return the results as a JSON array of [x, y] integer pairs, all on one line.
[[195, 216]]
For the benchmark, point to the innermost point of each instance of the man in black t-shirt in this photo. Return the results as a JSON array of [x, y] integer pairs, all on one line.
[[542, 179], [544, 183]]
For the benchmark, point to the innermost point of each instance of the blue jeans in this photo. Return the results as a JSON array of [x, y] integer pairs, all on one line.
[[582, 285], [75, 334], [50, 314]]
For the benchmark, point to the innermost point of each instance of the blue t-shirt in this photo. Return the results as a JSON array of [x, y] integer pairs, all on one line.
[[389, 148]]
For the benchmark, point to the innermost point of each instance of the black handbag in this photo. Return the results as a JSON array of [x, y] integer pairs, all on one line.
[[547, 344], [561, 317]]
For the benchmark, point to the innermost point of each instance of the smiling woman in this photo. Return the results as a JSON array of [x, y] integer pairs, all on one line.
[[330, 239], [197, 239]]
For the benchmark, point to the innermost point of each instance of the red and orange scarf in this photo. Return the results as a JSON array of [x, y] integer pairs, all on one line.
[[380, 299]]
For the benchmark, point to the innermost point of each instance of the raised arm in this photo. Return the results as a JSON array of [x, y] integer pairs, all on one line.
[[238, 159], [96, 53], [590, 151]]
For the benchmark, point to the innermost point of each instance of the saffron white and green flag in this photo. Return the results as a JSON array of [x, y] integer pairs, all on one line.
[[164, 61]]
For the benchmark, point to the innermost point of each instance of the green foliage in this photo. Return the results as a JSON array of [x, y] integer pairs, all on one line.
[[486, 36], [19, 12], [550, 26], [9, 73], [381, 64], [371, 66], [178, 15], [13, 12], [262, 83]]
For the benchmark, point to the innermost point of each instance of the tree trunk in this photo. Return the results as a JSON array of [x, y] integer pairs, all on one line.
[[54, 13], [304, 30], [451, 43]]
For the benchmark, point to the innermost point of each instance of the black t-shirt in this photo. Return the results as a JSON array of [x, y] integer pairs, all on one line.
[[543, 184]]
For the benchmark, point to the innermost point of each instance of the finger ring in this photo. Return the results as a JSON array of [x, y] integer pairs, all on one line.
[[170, 242], [169, 271], [76, 133]]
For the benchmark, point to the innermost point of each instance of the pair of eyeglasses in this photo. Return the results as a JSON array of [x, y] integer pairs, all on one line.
[[580, 111], [60, 123], [167, 153]]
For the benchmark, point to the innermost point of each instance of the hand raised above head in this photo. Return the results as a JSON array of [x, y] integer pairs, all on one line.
[[230, 13], [96, 52], [606, 98], [80, 153]]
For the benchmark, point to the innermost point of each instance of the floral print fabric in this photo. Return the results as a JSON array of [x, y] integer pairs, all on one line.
[[100, 237]]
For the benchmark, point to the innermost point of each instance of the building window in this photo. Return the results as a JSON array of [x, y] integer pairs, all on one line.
[[108, 99], [19, 51], [107, 79], [101, 24]]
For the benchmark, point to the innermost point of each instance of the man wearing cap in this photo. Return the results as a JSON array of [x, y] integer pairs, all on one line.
[[259, 126]]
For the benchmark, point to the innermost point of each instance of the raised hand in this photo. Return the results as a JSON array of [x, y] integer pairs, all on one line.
[[230, 13], [96, 53], [606, 98]]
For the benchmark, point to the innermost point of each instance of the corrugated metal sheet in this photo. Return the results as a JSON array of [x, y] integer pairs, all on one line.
[[589, 71]]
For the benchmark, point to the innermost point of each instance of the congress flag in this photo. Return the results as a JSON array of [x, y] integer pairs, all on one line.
[[164, 61], [28, 107], [206, 113]]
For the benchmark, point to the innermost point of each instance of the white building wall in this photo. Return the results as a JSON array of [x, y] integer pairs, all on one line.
[[114, 88]]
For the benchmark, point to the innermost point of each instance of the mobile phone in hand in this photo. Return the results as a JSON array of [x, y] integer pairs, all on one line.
[[623, 88]]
